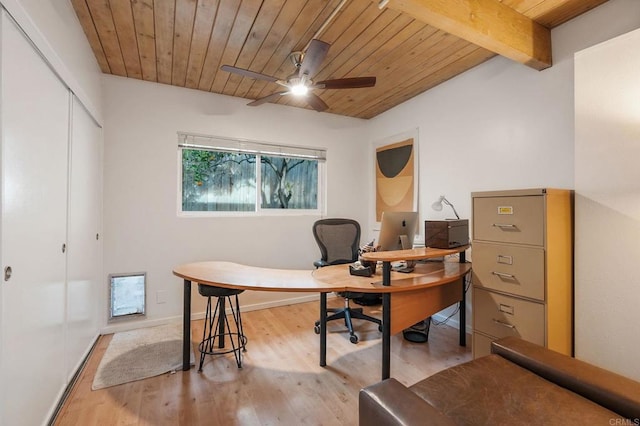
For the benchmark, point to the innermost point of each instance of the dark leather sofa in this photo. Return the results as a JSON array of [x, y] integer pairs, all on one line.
[[519, 383]]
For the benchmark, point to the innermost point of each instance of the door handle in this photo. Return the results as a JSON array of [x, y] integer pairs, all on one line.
[[7, 273]]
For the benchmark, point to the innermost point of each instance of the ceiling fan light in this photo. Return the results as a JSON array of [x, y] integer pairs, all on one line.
[[299, 89]]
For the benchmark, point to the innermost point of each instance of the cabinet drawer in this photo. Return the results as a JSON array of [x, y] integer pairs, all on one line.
[[481, 345], [501, 316], [509, 219], [510, 269]]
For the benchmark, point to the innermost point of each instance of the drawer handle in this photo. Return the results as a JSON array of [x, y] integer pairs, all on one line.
[[503, 275], [504, 225], [505, 309], [504, 324]]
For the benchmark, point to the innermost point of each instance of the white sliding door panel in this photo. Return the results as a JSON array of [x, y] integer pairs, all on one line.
[[3, 391], [85, 288], [35, 117]]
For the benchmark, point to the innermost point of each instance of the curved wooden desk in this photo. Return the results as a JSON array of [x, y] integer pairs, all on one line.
[[407, 298]]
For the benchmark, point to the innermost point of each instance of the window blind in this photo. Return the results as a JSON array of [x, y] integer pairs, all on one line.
[[218, 143]]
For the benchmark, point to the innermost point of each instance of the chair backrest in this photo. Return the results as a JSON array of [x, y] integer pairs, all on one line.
[[338, 239]]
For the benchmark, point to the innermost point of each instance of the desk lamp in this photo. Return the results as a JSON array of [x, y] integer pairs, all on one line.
[[437, 205]]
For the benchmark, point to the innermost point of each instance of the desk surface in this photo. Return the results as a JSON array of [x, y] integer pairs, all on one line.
[[411, 254], [328, 279], [235, 275], [424, 275]]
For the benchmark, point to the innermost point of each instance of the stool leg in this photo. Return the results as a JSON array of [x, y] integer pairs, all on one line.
[[236, 350], [222, 313], [206, 338], [210, 324], [240, 327]]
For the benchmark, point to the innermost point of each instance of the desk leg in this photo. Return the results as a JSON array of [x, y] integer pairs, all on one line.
[[386, 322], [463, 308], [463, 317], [186, 327], [323, 329]]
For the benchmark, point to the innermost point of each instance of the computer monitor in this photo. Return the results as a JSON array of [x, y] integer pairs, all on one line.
[[397, 230]]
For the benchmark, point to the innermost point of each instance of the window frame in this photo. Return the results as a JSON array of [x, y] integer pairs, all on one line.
[[258, 148]]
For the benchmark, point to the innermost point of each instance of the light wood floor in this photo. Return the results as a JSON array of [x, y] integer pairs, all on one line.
[[280, 383]]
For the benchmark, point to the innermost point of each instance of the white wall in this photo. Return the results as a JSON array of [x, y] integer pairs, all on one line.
[[142, 229], [53, 27], [608, 204], [502, 125]]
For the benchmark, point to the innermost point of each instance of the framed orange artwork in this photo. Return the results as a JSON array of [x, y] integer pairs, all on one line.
[[396, 177]]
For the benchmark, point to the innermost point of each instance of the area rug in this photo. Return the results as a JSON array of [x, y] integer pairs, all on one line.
[[139, 354]]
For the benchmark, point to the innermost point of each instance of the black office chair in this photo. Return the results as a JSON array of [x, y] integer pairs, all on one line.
[[339, 241]]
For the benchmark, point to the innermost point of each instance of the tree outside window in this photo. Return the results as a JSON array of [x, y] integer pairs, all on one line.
[[221, 181], [288, 183]]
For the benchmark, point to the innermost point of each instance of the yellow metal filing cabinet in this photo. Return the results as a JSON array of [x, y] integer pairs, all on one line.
[[523, 268]]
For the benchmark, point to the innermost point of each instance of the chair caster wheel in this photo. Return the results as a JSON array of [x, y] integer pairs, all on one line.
[[316, 329], [353, 339]]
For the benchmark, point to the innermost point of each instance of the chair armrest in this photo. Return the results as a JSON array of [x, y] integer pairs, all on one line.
[[608, 389], [391, 403], [320, 263]]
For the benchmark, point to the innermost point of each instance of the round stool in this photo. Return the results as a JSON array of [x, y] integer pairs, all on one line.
[[217, 325]]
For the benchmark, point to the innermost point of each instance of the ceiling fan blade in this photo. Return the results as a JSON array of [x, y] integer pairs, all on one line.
[[316, 103], [247, 73], [346, 83], [272, 97], [313, 57]]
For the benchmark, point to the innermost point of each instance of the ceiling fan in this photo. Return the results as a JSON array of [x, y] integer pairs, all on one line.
[[300, 83]]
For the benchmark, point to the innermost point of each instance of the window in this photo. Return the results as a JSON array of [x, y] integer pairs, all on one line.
[[225, 175]]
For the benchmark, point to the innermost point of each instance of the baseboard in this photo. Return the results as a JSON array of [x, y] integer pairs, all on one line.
[[144, 323], [453, 322], [134, 325], [117, 328], [283, 302]]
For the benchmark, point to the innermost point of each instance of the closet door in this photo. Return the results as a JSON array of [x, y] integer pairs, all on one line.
[[85, 288], [35, 120]]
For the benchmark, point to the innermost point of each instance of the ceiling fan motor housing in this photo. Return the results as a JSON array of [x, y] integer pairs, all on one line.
[[296, 59]]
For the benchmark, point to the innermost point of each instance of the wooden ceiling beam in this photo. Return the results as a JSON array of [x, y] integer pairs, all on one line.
[[485, 23]]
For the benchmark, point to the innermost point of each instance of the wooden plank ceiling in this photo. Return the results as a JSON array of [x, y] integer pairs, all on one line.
[[185, 42]]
